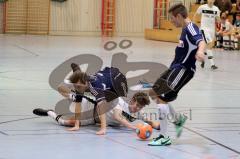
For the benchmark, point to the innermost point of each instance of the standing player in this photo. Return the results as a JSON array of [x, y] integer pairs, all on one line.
[[209, 14], [190, 48]]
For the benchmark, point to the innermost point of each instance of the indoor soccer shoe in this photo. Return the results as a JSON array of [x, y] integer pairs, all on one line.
[[141, 86], [160, 141], [202, 64], [41, 112], [145, 84], [214, 67], [179, 125]]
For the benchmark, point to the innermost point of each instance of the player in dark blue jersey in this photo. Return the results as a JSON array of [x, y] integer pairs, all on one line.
[[105, 85], [190, 48]]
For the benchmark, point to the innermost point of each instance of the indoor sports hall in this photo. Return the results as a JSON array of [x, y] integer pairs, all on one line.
[[40, 39]]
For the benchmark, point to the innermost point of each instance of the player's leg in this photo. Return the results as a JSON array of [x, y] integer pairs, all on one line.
[[210, 56], [162, 87], [226, 42], [163, 139], [236, 41], [209, 37], [173, 80], [177, 83], [58, 118], [218, 41]]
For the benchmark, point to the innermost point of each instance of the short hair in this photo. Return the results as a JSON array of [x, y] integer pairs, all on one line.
[[79, 76], [178, 9], [141, 98]]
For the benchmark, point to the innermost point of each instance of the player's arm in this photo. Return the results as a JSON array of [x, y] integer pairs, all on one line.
[[77, 117], [195, 36], [200, 52], [154, 124], [117, 115], [100, 106], [64, 90]]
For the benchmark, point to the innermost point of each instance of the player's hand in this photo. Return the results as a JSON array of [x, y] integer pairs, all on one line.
[[75, 128], [200, 56], [101, 132]]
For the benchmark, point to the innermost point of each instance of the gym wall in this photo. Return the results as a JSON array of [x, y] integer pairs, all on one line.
[[81, 17], [76, 17], [1, 18], [16, 16], [27, 16], [133, 16]]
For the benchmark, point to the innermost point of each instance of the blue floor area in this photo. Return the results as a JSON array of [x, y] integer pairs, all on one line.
[[211, 101]]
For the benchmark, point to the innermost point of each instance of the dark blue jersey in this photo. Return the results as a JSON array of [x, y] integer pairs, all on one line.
[[100, 83], [188, 44]]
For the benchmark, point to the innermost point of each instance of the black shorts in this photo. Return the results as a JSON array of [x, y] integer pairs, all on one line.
[[171, 81], [119, 85]]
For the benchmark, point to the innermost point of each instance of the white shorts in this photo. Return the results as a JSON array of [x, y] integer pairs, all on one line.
[[208, 35]]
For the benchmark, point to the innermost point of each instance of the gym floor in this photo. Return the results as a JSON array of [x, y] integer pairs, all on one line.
[[211, 100]]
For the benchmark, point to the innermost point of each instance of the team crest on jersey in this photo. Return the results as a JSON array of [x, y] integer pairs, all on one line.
[[181, 44]]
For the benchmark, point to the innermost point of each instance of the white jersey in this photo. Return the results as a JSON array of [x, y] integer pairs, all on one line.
[[208, 16], [119, 104]]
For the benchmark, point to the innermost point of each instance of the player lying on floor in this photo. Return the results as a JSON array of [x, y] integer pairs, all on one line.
[[120, 115]]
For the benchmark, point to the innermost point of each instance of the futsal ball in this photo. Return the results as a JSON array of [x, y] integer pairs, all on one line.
[[144, 131]]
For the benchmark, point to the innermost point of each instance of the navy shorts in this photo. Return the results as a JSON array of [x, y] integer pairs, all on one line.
[[119, 85], [171, 81]]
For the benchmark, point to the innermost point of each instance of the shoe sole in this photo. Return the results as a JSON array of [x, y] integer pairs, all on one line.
[[167, 144], [40, 112]]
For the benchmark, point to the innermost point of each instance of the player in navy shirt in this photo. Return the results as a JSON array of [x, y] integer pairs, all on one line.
[[106, 86], [103, 84], [190, 48]]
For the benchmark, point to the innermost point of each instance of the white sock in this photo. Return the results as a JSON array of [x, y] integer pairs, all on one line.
[[163, 113], [173, 115], [61, 121], [53, 115], [210, 56]]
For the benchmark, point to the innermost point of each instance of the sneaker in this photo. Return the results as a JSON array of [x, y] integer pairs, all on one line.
[[75, 67], [202, 64], [179, 125], [145, 84], [41, 112], [214, 67], [142, 86], [160, 141]]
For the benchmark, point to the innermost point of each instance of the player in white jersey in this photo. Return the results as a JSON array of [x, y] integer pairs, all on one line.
[[209, 15], [121, 114]]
